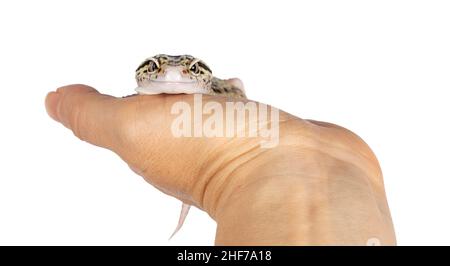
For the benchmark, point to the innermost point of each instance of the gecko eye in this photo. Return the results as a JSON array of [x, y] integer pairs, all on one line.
[[153, 66], [195, 69]]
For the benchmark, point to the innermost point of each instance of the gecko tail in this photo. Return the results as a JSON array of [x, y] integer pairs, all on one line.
[[183, 214]]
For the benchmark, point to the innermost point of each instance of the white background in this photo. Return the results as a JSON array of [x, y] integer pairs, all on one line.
[[379, 68]]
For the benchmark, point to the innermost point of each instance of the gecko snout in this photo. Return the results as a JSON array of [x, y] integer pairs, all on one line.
[[173, 75]]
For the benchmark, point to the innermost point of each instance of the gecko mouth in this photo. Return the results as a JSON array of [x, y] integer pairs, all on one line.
[[172, 82], [172, 87]]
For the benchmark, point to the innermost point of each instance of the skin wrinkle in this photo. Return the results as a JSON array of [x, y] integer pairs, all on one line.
[[206, 184], [227, 178], [268, 176], [223, 165], [75, 123], [222, 187], [223, 199], [216, 165], [78, 114]]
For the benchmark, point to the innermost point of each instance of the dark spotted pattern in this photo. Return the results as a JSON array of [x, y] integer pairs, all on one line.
[[222, 87]]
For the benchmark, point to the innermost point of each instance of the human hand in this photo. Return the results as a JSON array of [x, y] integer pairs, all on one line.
[[320, 185]]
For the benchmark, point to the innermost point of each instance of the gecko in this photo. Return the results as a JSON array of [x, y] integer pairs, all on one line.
[[183, 74]]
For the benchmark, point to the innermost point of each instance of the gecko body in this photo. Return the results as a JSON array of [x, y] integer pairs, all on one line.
[[183, 74]]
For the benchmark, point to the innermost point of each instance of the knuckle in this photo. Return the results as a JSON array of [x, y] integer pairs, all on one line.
[[77, 121]]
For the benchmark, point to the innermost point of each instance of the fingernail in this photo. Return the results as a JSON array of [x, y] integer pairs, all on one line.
[[51, 104]]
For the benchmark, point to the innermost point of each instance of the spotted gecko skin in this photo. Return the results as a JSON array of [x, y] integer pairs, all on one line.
[[183, 74]]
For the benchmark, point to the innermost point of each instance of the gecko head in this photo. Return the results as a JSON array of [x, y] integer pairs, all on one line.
[[173, 74]]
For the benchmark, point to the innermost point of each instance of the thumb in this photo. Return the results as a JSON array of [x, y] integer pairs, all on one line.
[[93, 117], [136, 128]]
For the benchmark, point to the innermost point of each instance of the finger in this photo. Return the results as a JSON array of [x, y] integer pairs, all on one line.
[[91, 116]]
